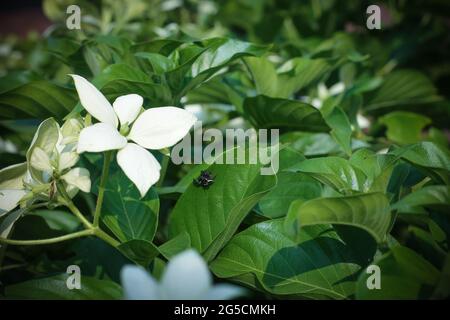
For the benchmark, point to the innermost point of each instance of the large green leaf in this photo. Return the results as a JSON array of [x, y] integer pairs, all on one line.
[[404, 127], [55, 288], [266, 112], [140, 251], [120, 79], [336, 172], [435, 197], [199, 61], [368, 211], [36, 99], [125, 213], [429, 157], [404, 275], [291, 77], [316, 264], [377, 167], [211, 216], [291, 186], [341, 128], [402, 88]]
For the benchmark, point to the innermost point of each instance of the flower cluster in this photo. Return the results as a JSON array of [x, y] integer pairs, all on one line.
[[50, 161]]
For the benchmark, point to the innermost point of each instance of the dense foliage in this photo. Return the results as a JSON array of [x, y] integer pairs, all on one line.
[[364, 162]]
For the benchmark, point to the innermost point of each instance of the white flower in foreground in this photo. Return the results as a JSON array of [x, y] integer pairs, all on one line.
[[186, 278], [155, 129]]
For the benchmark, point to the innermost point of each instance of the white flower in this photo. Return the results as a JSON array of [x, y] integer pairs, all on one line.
[[324, 93], [12, 189], [52, 153], [186, 278], [155, 129]]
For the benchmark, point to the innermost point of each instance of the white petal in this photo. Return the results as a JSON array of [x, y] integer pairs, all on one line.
[[94, 101], [9, 199], [186, 277], [159, 128], [67, 160], [322, 91], [337, 88], [137, 284], [223, 291], [78, 177], [140, 166], [40, 160], [100, 137], [12, 177], [128, 107]]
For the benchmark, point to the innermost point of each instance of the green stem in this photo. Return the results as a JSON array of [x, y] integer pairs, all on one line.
[[164, 165], [49, 240], [101, 187], [69, 204], [79, 215], [105, 237]]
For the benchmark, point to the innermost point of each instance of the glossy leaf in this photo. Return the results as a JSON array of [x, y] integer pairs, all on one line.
[[55, 288], [266, 112], [404, 127], [369, 212], [317, 264], [124, 212], [211, 216], [404, 275], [333, 171]]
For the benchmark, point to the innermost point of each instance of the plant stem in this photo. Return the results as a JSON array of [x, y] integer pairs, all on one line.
[[164, 165], [69, 204], [101, 187], [79, 215], [105, 237], [49, 240]]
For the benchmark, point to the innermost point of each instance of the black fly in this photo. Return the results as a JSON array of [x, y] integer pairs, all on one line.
[[204, 180]]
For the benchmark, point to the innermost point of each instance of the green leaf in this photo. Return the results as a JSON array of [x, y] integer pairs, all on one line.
[[402, 88], [429, 157], [120, 79], [341, 129], [336, 172], [291, 186], [175, 245], [294, 75], [317, 264], [55, 288], [58, 220], [201, 60], [124, 212], [378, 168], [211, 216], [7, 222], [160, 64], [266, 112], [434, 197], [368, 211], [36, 99], [140, 251], [404, 275], [310, 144], [404, 127]]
